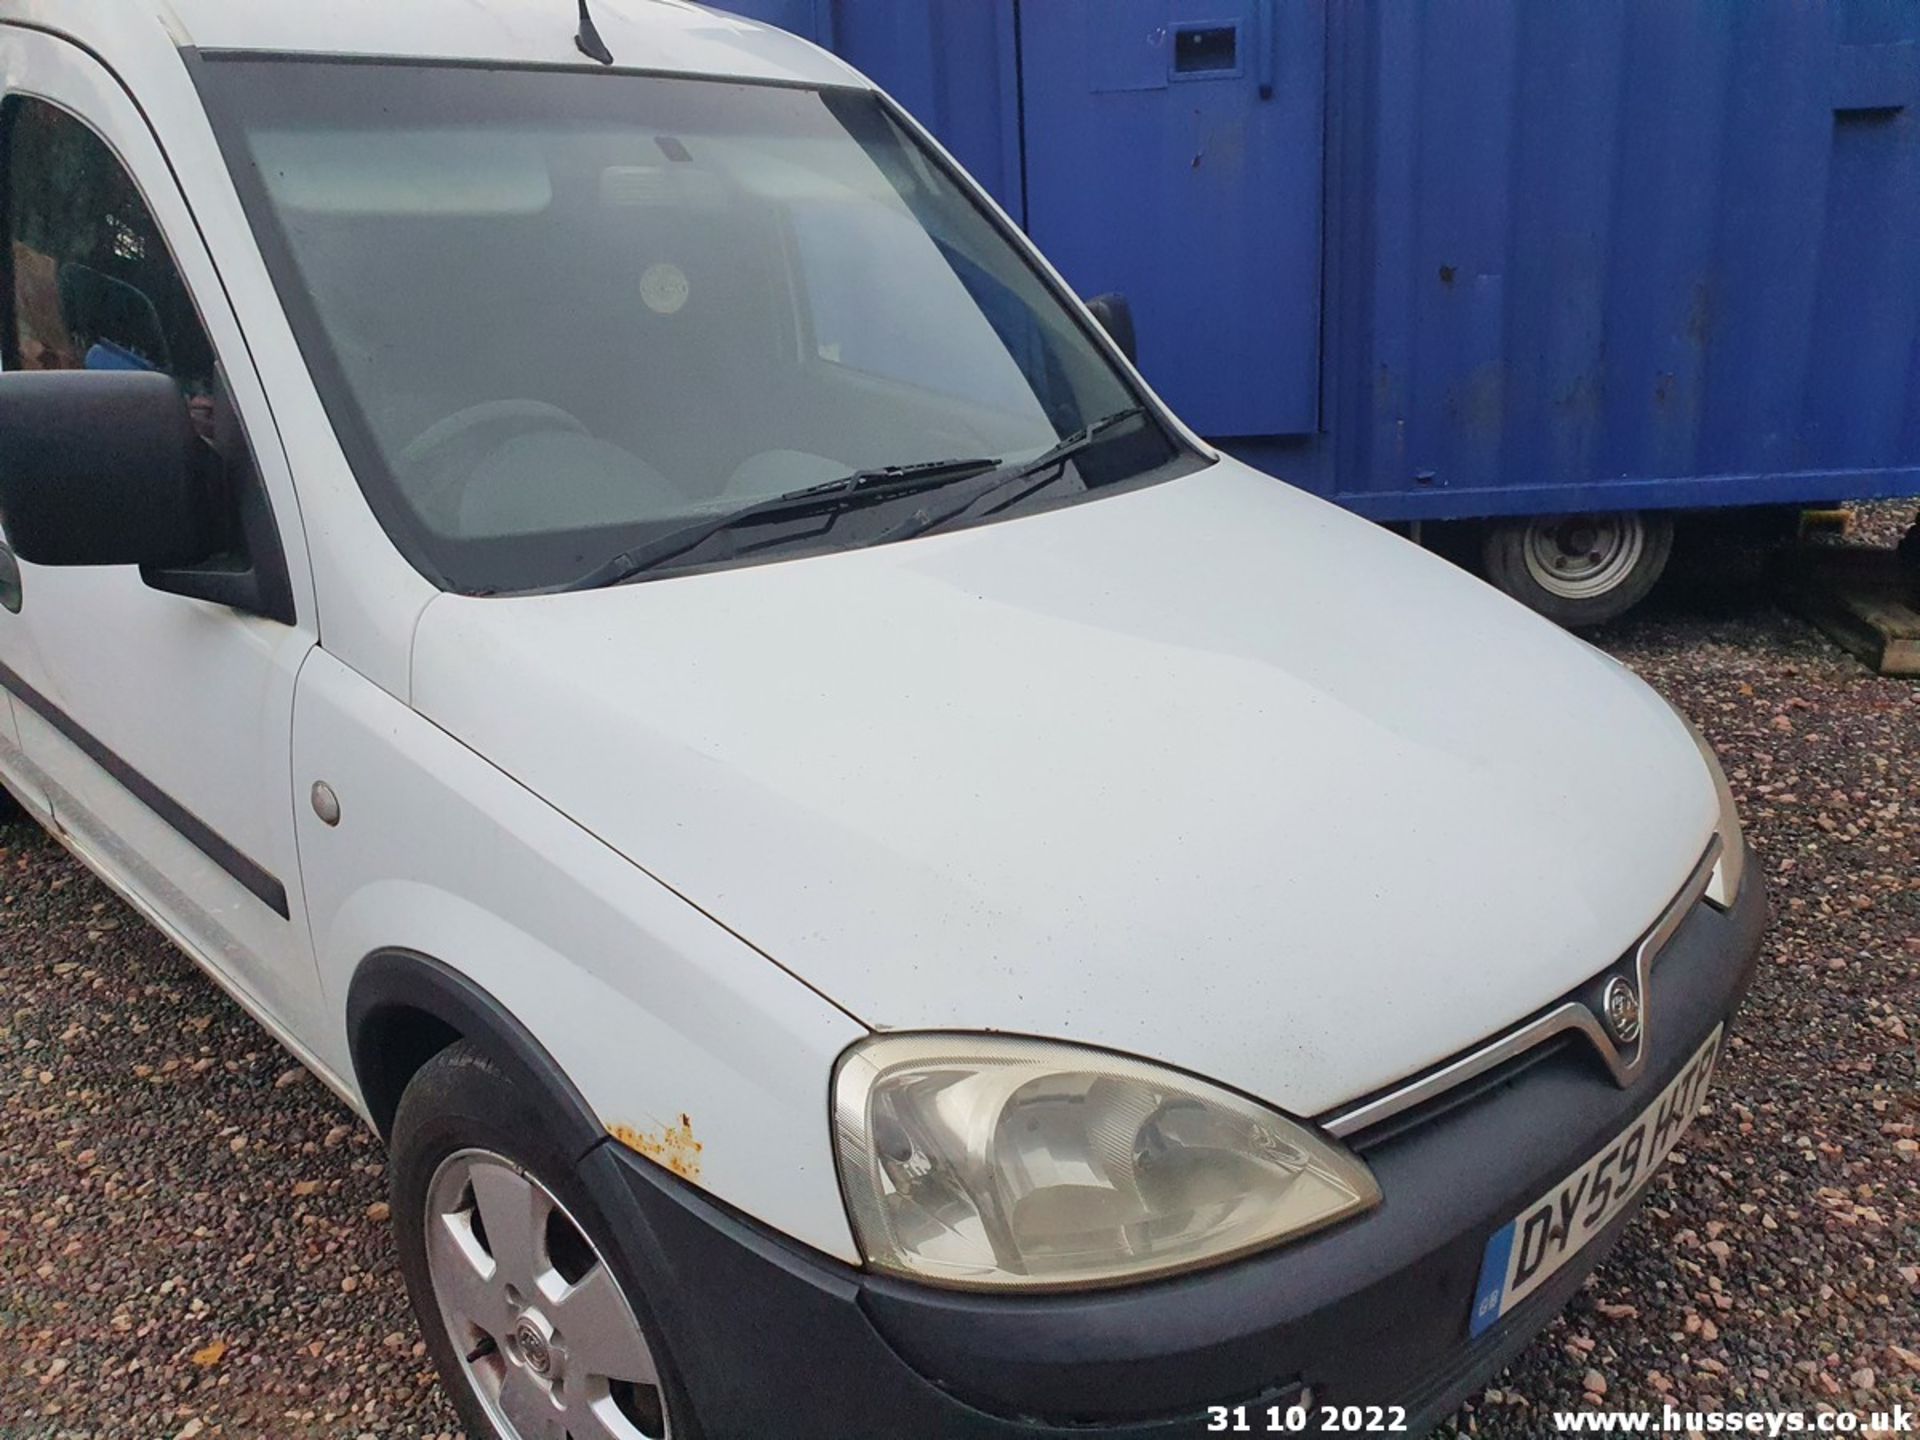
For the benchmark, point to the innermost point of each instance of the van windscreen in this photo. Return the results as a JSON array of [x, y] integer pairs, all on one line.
[[556, 315]]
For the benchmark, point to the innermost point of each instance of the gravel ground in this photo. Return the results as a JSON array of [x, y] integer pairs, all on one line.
[[1882, 523], [193, 1240], [1777, 1267]]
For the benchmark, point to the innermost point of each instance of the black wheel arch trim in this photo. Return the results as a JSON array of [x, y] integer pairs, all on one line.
[[392, 990]]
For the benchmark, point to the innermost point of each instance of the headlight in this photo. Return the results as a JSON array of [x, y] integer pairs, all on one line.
[[990, 1161], [1724, 886]]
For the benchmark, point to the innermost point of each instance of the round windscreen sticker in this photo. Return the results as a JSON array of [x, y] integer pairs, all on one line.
[[664, 287]]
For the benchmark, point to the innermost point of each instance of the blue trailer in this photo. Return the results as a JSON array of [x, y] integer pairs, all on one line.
[[1562, 266]]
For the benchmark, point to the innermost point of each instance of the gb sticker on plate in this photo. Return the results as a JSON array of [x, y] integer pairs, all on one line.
[[1528, 1249]]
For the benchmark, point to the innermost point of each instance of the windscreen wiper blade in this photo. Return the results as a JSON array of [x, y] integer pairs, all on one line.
[[910, 477], [1071, 445], [861, 487], [1013, 486]]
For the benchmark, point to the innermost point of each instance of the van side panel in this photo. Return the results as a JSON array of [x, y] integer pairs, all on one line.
[[686, 1043]]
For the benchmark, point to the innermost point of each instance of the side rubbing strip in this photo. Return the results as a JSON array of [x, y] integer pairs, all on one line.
[[263, 884]]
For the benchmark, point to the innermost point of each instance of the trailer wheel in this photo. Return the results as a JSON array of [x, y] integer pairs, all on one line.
[[1579, 570]]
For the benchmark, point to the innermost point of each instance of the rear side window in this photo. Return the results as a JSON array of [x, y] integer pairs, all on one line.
[[92, 285]]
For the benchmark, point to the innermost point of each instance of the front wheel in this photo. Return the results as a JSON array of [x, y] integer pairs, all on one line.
[[533, 1333], [1579, 570]]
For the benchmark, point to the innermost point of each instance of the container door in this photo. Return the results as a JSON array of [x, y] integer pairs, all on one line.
[[1173, 152]]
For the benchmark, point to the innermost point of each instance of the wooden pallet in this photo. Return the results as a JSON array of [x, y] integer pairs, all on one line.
[[1868, 599]]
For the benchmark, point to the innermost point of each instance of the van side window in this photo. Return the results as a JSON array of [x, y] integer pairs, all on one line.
[[87, 283], [93, 285]]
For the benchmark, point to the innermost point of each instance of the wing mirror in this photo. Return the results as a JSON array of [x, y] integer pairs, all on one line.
[[106, 467], [1115, 314], [101, 467]]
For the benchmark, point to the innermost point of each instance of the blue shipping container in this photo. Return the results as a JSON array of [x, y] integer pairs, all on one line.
[[1472, 258]]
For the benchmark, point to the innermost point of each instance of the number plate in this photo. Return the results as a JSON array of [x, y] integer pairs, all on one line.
[[1551, 1231]]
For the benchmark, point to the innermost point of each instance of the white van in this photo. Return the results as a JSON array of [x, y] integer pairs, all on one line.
[[872, 883]]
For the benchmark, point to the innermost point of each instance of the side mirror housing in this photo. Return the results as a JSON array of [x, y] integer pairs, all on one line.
[[101, 468], [1115, 315]]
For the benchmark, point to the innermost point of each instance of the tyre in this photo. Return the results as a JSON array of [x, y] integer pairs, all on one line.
[[1579, 570], [534, 1335]]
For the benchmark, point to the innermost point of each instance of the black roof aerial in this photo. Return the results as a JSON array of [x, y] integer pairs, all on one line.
[[588, 41]]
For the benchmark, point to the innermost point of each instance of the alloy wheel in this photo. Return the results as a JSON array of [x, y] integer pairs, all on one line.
[[546, 1336]]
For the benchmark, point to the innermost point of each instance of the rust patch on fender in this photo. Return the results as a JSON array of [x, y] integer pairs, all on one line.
[[673, 1147]]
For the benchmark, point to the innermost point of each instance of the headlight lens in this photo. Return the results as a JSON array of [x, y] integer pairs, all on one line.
[[996, 1162], [1724, 887]]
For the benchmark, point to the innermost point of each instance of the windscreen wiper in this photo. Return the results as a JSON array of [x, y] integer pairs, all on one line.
[[1007, 488], [861, 487], [1071, 445]]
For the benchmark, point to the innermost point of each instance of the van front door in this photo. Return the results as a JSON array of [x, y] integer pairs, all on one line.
[[161, 726]]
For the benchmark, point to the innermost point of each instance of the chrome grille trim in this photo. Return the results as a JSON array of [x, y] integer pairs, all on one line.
[[1625, 1066]]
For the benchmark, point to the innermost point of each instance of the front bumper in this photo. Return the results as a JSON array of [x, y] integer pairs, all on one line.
[[774, 1339]]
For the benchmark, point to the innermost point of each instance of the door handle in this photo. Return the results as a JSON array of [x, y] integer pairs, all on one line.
[[1263, 42], [9, 579]]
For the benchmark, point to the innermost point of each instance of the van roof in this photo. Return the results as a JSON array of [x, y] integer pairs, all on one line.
[[673, 35]]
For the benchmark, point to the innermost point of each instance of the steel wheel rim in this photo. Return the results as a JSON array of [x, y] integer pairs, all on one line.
[[1581, 557], [545, 1335]]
